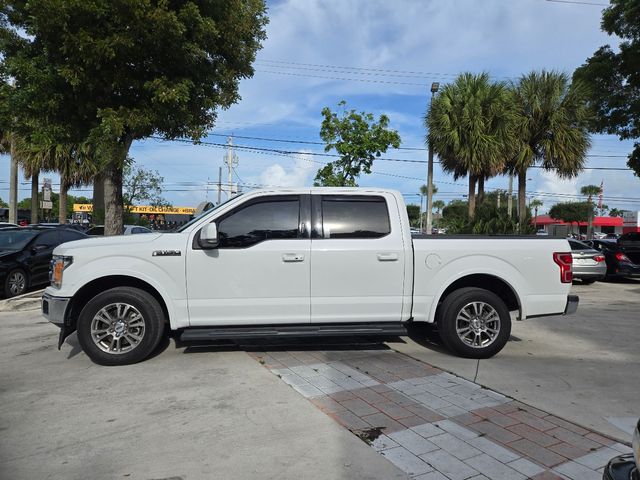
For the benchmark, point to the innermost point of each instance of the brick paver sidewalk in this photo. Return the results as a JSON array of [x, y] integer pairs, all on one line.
[[434, 425]]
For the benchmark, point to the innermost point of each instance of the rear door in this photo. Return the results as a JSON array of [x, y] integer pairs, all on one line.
[[357, 259]]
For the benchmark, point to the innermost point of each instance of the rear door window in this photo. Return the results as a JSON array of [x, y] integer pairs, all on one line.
[[353, 216]]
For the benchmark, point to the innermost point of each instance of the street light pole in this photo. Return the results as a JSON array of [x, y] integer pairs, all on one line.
[[429, 206]]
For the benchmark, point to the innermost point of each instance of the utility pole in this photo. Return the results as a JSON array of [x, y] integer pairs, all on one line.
[[510, 197], [219, 184], [498, 201], [434, 89], [231, 161]]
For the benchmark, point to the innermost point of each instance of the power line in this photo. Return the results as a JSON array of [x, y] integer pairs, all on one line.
[[333, 155], [575, 2]]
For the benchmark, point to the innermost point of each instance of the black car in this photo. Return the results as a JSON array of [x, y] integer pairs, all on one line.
[[625, 467], [618, 262], [631, 243], [25, 254]]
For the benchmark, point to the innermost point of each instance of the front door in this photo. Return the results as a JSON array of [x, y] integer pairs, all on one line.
[[260, 271], [357, 259]]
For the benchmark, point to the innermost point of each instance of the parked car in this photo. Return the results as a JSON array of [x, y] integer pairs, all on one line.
[[625, 467], [98, 230], [7, 225], [72, 226], [612, 236], [618, 263], [589, 264], [307, 262], [25, 255], [631, 243]]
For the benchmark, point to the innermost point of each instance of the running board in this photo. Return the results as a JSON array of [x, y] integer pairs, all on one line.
[[307, 330]]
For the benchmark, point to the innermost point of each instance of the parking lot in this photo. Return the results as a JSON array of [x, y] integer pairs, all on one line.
[[217, 412]]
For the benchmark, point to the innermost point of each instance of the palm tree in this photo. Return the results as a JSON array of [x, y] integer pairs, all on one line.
[[551, 128], [535, 204], [469, 127], [590, 191], [438, 205]]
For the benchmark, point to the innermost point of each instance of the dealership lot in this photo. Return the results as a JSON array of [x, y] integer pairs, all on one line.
[[217, 412]]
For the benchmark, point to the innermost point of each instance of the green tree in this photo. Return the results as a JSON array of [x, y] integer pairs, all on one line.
[[114, 71], [613, 77], [589, 191], [571, 212], [535, 204], [358, 139], [3, 204], [413, 211], [142, 185], [614, 212], [438, 205], [469, 127], [551, 128]]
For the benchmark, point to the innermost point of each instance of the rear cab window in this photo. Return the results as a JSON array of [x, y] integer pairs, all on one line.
[[351, 217]]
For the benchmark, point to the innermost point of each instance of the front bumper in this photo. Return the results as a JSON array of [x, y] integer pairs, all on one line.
[[621, 468], [572, 304], [55, 308]]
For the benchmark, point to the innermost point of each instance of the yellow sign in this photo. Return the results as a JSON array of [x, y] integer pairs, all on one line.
[[87, 207]]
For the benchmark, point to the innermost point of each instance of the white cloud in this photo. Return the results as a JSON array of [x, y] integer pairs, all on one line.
[[297, 175]]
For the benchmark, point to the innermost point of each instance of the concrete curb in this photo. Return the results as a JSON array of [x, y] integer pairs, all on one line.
[[21, 303]]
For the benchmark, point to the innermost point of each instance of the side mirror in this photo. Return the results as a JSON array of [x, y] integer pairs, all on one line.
[[209, 236], [38, 248]]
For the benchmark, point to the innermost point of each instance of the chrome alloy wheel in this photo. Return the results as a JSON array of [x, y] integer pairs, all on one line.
[[117, 328], [17, 283], [478, 324]]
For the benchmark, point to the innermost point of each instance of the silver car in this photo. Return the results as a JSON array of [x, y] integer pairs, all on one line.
[[588, 264]]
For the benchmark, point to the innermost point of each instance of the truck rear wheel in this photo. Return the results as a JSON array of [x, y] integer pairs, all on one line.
[[120, 326], [474, 323]]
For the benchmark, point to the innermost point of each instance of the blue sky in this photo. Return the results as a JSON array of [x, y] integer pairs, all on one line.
[[381, 57]]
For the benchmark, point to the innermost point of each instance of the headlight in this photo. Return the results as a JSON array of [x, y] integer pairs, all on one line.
[[636, 445], [58, 265]]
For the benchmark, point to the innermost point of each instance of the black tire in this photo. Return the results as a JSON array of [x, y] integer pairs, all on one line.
[[16, 283], [144, 318], [454, 304], [588, 281]]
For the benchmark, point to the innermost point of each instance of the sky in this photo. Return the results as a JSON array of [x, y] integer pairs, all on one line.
[[381, 57]]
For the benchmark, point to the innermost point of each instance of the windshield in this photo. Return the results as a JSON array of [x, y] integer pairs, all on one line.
[[15, 239], [195, 219]]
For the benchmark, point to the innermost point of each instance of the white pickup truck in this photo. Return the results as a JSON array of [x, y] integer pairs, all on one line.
[[303, 262]]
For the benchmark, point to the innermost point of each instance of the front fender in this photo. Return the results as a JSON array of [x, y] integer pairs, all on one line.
[[167, 279]]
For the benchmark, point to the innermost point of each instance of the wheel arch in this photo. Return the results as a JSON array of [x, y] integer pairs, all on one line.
[[101, 284], [489, 282]]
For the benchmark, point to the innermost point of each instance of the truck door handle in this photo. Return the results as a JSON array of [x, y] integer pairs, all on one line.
[[387, 257], [292, 257]]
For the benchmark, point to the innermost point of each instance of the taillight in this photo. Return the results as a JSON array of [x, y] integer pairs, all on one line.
[[622, 257], [564, 260], [599, 258]]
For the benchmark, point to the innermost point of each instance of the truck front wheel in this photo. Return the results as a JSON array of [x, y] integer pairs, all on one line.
[[474, 323], [120, 326]]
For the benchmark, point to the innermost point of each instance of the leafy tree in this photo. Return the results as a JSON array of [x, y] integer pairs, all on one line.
[[113, 71], [571, 212], [142, 185], [469, 127], [551, 128], [3, 204], [590, 191], [358, 139], [536, 203], [414, 215], [613, 77], [438, 205], [614, 212]]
